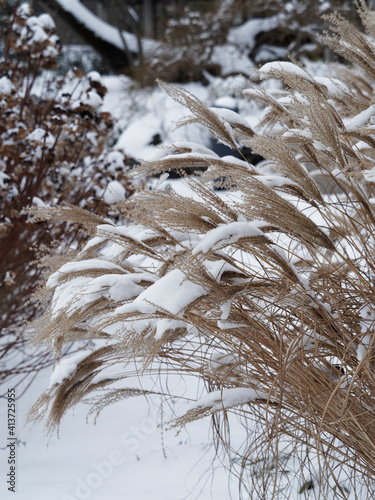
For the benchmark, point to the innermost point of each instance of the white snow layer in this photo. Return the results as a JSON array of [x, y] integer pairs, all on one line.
[[6, 86], [81, 292], [230, 116], [66, 367], [3, 178], [173, 293], [90, 98], [42, 136], [227, 234], [114, 193], [245, 35], [104, 30], [227, 398], [333, 85], [369, 175], [189, 147], [79, 266], [360, 119], [269, 69]]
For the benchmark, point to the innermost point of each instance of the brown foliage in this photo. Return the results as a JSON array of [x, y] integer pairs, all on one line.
[[53, 151]]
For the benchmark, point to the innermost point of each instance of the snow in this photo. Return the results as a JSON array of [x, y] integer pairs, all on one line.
[[3, 178], [135, 232], [46, 21], [216, 268], [151, 114], [121, 288], [41, 136], [114, 193], [81, 292], [221, 359], [104, 30], [244, 36], [227, 398], [227, 234], [119, 457], [24, 10], [63, 297], [79, 266], [114, 160], [94, 76], [66, 367], [334, 86], [270, 69], [295, 132], [90, 98], [227, 102], [37, 202], [172, 293], [359, 120], [225, 308], [364, 346], [37, 31], [369, 175], [196, 149], [50, 52], [232, 61], [6, 86], [164, 324], [231, 116]]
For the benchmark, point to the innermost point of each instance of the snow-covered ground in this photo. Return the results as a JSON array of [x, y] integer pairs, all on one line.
[[125, 455], [130, 454]]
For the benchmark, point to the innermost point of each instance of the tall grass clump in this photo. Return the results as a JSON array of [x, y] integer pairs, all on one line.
[[265, 291]]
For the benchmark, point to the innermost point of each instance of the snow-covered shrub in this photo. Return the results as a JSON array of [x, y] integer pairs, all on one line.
[[278, 30], [53, 136], [265, 293], [225, 38], [233, 37], [193, 34]]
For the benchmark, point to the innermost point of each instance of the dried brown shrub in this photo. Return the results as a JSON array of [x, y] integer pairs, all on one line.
[[53, 150]]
